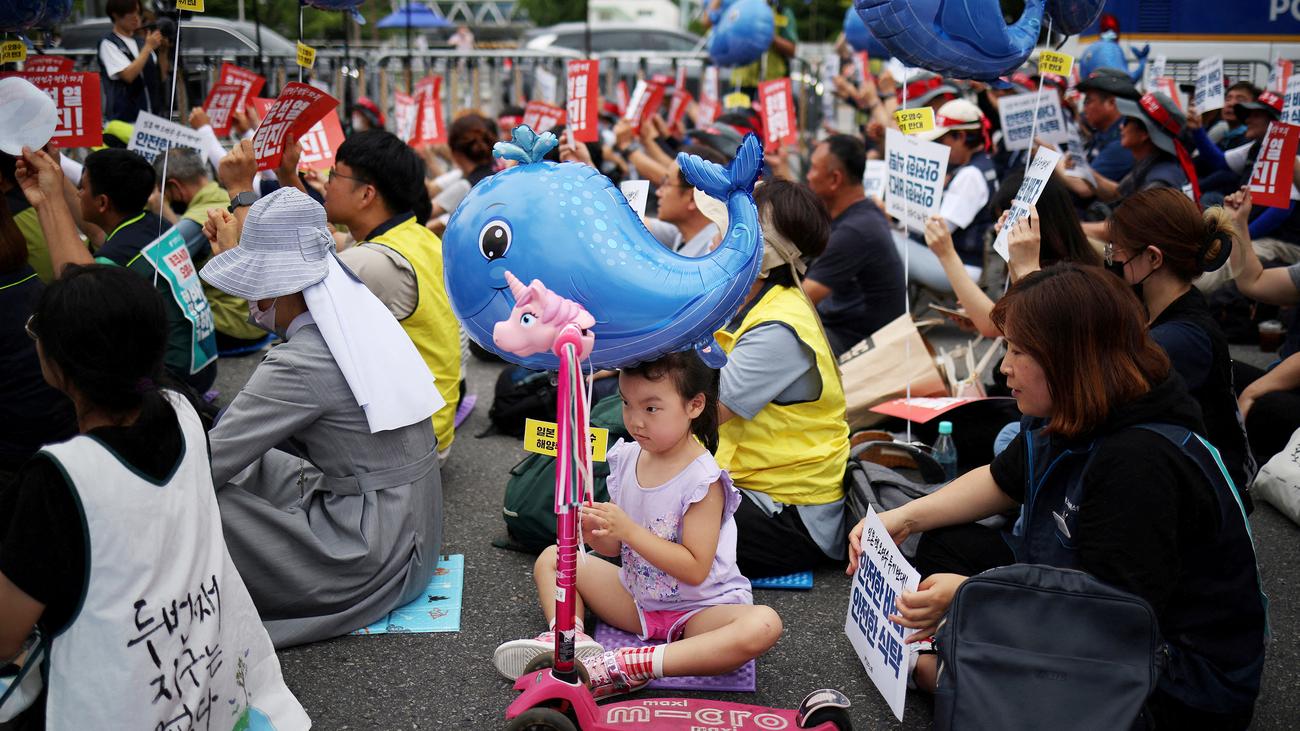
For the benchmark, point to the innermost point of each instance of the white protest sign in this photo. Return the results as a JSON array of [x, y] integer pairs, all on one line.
[[153, 135], [875, 178], [1158, 63], [1030, 190], [883, 574], [28, 116], [1291, 101], [1017, 114], [637, 193], [1209, 84], [547, 86], [916, 171]]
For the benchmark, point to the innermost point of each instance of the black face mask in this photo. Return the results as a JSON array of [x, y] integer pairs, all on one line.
[[1117, 268], [178, 208]]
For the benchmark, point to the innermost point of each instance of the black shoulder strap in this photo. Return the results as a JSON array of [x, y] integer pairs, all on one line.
[[121, 45]]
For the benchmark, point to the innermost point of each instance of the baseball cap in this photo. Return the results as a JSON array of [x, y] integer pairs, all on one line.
[[956, 114], [1110, 81]]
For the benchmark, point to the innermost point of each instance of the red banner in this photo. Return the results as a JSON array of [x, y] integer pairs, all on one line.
[[251, 82], [47, 65], [405, 113], [296, 111], [222, 102], [580, 110], [777, 105], [677, 107], [541, 116], [1270, 180], [76, 97], [645, 102], [430, 127]]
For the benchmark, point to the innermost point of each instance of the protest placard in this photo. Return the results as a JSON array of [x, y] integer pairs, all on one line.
[[546, 86], [306, 55], [862, 66], [169, 257], [405, 111], [77, 99], [1291, 101], [677, 107], [911, 121], [222, 102], [541, 116], [1158, 63], [1280, 75], [194, 6], [1167, 86], [47, 64], [1209, 84], [710, 106], [1017, 115], [637, 193], [298, 108], [777, 105], [644, 103], [874, 179], [1270, 179], [154, 135], [1030, 190], [916, 178], [883, 574], [430, 126], [13, 52], [580, 109], [621, 97], [251, 82], [1052, 62]]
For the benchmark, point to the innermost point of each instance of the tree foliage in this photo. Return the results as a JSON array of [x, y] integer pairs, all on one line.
[[550, 12]]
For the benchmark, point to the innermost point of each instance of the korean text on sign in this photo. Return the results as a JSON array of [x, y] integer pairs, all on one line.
[[540, 116], [1018, 126], [1209, 84], [644, 103], [430, 128], [222, 102], [1051, 62], [153, 135], [883, 574], [541, 437], [777, 105], [295, 111], [77, 101], [915, 178], [1270, 180], [911, 121], [580, 109], [1030, 190], [1291, 102]]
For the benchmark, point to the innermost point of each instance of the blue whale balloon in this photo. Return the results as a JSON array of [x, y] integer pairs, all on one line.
[[1106, 53], [19, 15], [964, 39], [1073, 16], [335, 4], [859, 36], [56, 11], [570, 227], [743, 33]]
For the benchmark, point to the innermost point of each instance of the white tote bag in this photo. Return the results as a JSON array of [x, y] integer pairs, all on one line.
[[1278, 482]]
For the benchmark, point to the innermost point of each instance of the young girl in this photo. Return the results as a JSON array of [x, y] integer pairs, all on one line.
[[670, 518]]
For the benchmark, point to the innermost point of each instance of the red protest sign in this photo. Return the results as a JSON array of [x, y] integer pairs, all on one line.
[[645, 102], [541, 116], [222, 103], [320, 142], [430, 129], [1169, 88], [405, 112], [295, 112], [76, 98], [862, 64], [1270, 180], [251, 82], [580, 110], [47, 65], [622, 98], [777, 106], [677, 107], [710, 106]]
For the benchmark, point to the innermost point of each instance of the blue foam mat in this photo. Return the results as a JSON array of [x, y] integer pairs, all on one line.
[[437, 609], [801, 581]]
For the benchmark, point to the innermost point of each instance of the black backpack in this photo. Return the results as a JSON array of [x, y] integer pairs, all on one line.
[[1031, 646], [520, 395], [529, 506]]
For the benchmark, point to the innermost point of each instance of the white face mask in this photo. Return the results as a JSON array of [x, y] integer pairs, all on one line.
[[359, 122], [264, 319]]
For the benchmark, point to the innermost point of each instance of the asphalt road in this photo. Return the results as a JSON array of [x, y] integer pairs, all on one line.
[[446, 681]]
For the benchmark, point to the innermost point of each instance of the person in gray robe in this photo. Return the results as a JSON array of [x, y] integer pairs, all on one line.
[[332, 510]]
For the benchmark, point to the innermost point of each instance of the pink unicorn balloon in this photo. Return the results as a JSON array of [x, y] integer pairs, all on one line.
[[537, 318]]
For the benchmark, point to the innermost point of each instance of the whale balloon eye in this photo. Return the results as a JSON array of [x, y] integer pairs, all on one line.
[[494, 239], [527, 319]]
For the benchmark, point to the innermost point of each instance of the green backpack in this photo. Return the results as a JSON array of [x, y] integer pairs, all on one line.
[[529, 508]]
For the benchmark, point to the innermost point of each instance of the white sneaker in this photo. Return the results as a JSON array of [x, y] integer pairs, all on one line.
[[510, 658]]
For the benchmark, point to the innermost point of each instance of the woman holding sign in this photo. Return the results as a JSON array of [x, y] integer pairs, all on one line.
[[1112, 478]]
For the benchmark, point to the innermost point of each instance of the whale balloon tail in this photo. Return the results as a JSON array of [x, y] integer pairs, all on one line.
[[720, 182]]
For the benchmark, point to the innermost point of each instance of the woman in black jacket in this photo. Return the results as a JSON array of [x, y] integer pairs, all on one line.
[[1111, 478]]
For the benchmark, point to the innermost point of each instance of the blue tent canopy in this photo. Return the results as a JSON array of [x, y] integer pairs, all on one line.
[[415, 15]]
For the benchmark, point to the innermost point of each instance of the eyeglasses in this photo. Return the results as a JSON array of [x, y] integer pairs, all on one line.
[[663, 183], [30, 327], [334, 173]]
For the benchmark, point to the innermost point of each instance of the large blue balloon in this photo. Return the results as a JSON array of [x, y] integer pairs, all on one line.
[[1072, 16], [19, 15], [570, 227], [965, 39], [858, 36], [1106, 53], [56, 11], [743, 33], [335, 4]]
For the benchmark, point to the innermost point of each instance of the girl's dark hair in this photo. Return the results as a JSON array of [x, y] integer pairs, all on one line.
[[473, 137], [800, 216], [105, 329], [1058, 222], [691, 377], [1088, 332]]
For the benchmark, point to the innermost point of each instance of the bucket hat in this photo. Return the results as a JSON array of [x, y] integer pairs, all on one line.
[[284, 248]]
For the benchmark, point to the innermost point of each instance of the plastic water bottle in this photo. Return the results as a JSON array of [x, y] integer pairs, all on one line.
[[945, 452]]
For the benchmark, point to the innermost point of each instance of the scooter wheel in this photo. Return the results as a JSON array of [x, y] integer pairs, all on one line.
[[837, 716], [541, 719], [547, 660]]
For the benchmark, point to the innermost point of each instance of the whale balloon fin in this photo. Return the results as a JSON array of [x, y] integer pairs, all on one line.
[[1141, 56], [525, 145], [720, 182], [711, 353]]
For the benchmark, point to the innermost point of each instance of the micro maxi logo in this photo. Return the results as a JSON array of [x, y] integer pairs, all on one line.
[[1278, 8], [702, 719]]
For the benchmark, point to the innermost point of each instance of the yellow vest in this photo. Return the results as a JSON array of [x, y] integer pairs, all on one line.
[[796, 453], [431, 326], [38, 253]]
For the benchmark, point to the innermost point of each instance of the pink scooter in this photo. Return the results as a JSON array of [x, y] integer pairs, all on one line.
[[555, 695]]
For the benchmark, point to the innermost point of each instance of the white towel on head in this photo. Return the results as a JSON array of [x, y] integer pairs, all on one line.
[[388, 378]]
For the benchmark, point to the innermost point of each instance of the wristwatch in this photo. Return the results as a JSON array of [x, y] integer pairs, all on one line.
[[247, 198], [629, 148]]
